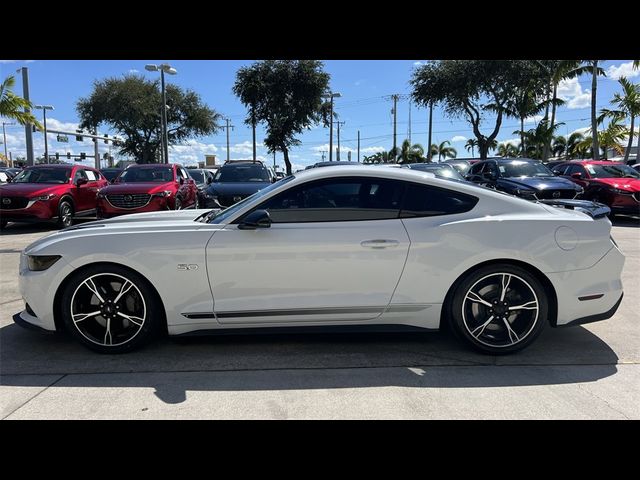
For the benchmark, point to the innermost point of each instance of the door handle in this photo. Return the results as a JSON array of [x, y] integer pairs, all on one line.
[[379, 243]]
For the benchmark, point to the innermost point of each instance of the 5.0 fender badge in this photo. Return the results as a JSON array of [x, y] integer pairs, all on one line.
[[187, 266]]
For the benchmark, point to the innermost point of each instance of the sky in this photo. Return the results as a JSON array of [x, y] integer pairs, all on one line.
[[365, 106]]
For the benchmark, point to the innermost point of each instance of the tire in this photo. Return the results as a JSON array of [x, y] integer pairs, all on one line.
[[178, 204], [196, 204], [136, 315], [3, 223], [489, 322], [65, 214]]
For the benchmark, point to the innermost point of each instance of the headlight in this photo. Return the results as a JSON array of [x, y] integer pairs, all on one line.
[[212, 196], [44, 198], [101, 195], [166, 193], [619, 192], [38, 263], [525, 193]]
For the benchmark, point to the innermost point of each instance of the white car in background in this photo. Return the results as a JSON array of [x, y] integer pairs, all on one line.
[[335, 247]]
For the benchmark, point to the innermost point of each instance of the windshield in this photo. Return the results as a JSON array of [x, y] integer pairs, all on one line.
[[223, 215], [110, 174], [462, 167], [612, 171], [197, 175], [524, 169], [157, 174], [444, 171], [242, 173], [43, 175]]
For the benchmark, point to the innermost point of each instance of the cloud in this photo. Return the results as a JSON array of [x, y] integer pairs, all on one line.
[[622, 70], [357, 83], [510, 141], [244, 148], [533, 119], [133, 70], [571, 92], [419, 63], [458, 138]]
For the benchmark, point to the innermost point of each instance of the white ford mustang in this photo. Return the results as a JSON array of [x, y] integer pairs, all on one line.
[[331, 247]]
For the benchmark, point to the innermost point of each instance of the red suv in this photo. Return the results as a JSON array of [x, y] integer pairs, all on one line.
[[613, 183], [148, 188], [50, 192]]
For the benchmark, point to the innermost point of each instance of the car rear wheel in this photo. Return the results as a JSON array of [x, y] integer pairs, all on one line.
[[65, 214], [3, 223], [499, 309], [178, 205], [110, 309]]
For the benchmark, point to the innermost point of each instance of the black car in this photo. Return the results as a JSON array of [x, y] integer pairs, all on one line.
[[203, 179], [111, 173], [440, 170], [235, 181], [461, 166], [523, 177]]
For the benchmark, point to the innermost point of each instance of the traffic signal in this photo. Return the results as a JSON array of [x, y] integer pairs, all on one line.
[[105, 156], [83, 155], [105, 140], [57, 156], [79, 137], [69, 155]]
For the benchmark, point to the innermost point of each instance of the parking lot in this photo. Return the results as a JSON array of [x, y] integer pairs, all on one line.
[[586, 372]]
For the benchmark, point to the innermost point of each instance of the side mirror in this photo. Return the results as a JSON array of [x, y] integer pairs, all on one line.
[[576, 175], [81, 181], [257, 219]]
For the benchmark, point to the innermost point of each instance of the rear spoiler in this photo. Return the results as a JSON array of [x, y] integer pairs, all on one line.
[[593, 209]]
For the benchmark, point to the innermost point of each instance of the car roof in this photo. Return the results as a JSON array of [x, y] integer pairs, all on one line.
[[152, 165], [54, 165], [595, 162]]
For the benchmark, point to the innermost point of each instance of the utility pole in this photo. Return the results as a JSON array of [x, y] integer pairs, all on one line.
[[358, 146], [323, 152], [409, 123], [228, 126], [274, 160], [4, 134], [430, 124], [394, 111], [96, 153], [28, 133], [338, 149], [331, 96]]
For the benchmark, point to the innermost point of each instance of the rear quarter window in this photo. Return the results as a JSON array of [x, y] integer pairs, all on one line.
[[429, 201]]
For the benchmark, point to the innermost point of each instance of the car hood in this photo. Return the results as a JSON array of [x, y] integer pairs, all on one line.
[[628, 184], [29, 189], [236, 188], [151, 222], [539, 183], [138, 187]]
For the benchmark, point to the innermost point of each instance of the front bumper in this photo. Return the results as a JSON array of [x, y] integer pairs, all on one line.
[[25, 320], [36, 211], [590, 294], [156, 204]]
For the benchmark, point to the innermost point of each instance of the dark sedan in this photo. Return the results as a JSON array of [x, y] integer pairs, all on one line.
[[235, 181], [525, 178], [440, 170]]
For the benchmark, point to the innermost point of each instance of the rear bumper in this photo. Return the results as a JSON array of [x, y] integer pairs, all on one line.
[[591, 294]]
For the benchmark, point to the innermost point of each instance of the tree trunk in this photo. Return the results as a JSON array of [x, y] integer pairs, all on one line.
[[594, 124], [522, 145], [630, 143], [483, 148], [285, 152], [430, 125]]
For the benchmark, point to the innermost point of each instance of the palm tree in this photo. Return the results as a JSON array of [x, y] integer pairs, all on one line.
[[572, 147], [446, 151], [559, 146], [628, 104], [507, 150], [11, 104], [410, 153], [611, 137], [524, 104], [591, 67], [470, 145]]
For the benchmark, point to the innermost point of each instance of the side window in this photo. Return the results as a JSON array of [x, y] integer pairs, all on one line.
[[180, 173], [476, 169], [428, 201], [337, 200], [560, 170], [184, 173], [492, 168], [91, 175], [571, 169], [79, 174]]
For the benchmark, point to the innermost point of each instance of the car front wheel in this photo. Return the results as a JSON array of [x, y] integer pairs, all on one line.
[[499, 309], [65, 214], [110, 309]]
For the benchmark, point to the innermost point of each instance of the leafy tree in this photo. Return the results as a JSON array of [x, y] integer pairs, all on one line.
[[132, 105], [559, 146], [411, 153], [573, 145], [11, 105], [470, 145], [507, 150], [287, 97], [468, 89]]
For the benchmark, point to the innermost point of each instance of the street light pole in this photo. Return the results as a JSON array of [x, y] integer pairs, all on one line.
[[44, 109], [331, 95], [163, 68]]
